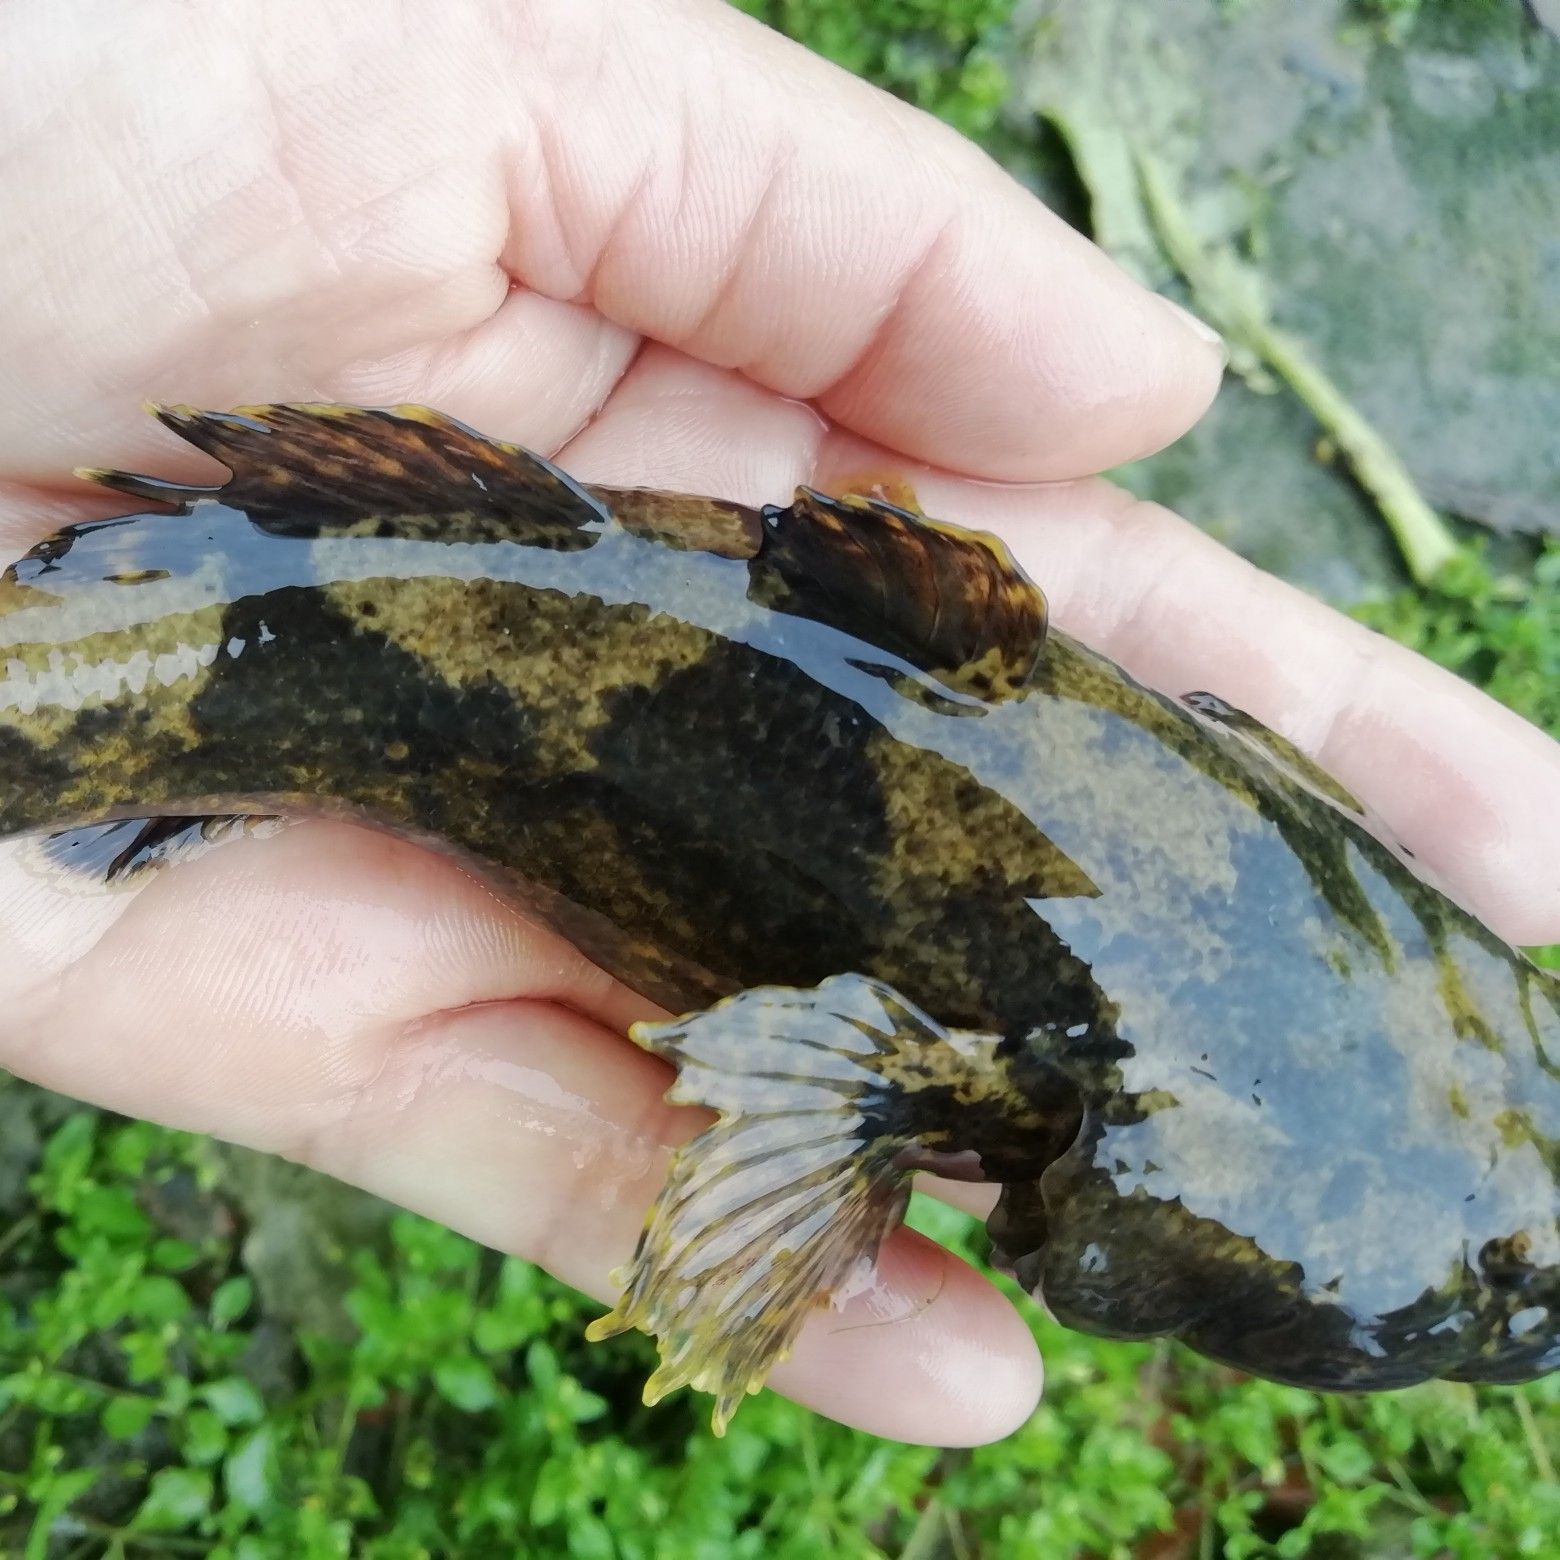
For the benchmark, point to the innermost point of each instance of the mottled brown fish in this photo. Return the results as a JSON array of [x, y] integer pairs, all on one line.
[[944, 889]]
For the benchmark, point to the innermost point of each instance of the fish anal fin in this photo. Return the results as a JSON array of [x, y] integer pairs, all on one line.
[[951, 601]]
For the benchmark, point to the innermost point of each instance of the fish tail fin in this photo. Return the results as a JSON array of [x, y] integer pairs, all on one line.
[[828, 1099]]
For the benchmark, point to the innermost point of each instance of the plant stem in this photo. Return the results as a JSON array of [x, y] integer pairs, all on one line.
[[1426, 543], [1535, 1441], [169, 1543], [929, 1538], [19, 1231]]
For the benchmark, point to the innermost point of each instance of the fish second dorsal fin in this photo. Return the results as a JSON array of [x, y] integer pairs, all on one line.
[[951, 601], [347, 462]]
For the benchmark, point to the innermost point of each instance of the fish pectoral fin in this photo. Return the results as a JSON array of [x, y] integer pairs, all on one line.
[[822, 1101], [120, 853], [951, 601], [355, 462]]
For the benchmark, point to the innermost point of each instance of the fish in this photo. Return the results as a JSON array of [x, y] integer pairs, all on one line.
[[931, 884]]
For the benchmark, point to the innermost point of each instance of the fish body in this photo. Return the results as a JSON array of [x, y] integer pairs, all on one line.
[[1246, 1076]]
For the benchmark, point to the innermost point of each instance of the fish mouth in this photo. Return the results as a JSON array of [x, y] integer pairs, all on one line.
[[1489, 1327], [1471, 1338], [1126, 1266]]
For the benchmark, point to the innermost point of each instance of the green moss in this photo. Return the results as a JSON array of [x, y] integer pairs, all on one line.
[[147, 1400], [1500, 628], [150, 1405], [941, 55]]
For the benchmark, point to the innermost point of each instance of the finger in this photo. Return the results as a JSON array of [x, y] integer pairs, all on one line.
[[337, 189], [1461, 780], [534, 368], [973, 1197], [390, 934], [930, 1351], [1465, 783], [30, 512], [366, 1008], [678, 424], [710, 184]]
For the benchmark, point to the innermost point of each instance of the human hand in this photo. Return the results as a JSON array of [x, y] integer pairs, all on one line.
[[642, 237]]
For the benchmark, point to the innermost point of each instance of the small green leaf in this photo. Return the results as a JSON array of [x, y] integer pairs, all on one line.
[[420, 1464], [541, 1365], [249, 1474], [204, 1438], [550, 1491], [589, 1538], [174, 1256], [233, 1298], [158, 1298], [233, 1400], [177, 1500], [66, 1160], [127, 1416], [146, 1355], [1348, 1461], [582, 1405], [466, 1382]]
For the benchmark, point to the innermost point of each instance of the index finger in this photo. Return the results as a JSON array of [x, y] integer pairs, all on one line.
[[710, 184]]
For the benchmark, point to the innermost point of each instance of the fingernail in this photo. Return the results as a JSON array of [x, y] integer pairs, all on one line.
[[1199, 328]]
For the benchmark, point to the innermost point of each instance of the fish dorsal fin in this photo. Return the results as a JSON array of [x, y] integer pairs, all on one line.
[[952, 602], [685, 521], [352, 462]]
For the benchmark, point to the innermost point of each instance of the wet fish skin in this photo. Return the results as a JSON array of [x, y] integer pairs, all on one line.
[[1247, 1077]]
